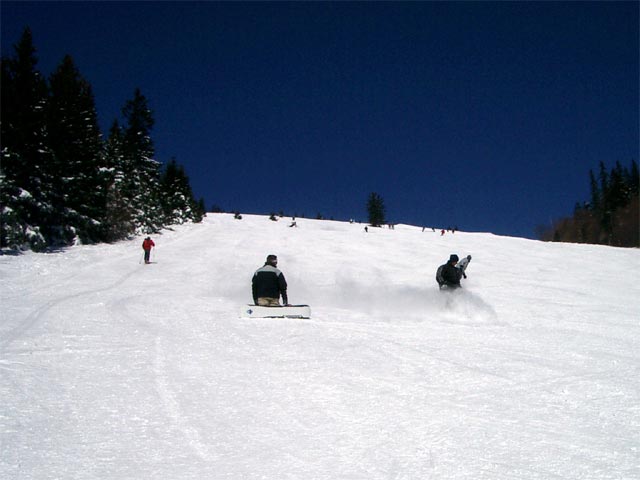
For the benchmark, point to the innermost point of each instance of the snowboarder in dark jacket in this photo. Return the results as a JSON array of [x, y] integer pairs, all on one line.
[[448, 275], [268, 284]]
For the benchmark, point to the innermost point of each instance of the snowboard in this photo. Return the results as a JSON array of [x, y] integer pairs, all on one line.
[[289, 311]]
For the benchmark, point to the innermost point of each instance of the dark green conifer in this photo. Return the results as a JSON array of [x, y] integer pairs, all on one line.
[[376, 210], [141, 169], [26, 178], [75, 139]]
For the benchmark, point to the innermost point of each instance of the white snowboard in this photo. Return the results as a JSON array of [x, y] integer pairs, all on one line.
[[290, 311]]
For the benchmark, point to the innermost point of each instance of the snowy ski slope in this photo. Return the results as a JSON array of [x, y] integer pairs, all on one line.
[[112, 369]]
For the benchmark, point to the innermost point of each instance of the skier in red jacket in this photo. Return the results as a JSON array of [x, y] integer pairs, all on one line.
[[147, 245]]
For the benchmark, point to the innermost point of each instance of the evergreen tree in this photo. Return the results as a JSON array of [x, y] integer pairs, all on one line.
[[141, 170], [376, 210], [605, 214], [26, 179], [59, 181], [14, 206], [604, 178], [596, 200], [611, 218], [201, 211], [617, 194], [179, 205], [119, 219], [75, 139], [634, 179]]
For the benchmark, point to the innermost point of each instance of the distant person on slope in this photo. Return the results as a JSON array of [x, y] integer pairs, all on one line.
[[268, 284], [147, 245], [448, 276], [463, 264]]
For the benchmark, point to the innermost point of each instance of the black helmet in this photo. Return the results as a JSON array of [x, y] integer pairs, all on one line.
[[453, 258], [272, 259]]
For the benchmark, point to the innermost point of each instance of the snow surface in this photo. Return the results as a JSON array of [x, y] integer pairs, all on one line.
[[112, 369]]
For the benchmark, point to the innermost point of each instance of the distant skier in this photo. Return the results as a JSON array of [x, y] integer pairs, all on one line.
[[268, 284], [463, 264], [147, 245], [448, 276]]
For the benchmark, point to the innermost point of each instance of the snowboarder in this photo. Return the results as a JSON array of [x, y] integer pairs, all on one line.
[[463, 264], [448, 276], [147, 245], [268, 284]]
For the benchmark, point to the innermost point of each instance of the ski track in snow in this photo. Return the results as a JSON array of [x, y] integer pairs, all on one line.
[[40, 313], [114, 369], [172, 406]]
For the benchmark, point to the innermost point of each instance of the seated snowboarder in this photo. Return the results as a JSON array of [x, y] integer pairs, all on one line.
[[463, 264], [268, 284], [448, 276]]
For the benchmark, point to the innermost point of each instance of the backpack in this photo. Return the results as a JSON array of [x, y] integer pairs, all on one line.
[[439, 278]]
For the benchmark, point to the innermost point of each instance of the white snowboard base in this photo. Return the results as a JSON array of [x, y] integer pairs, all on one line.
[[290, 311]]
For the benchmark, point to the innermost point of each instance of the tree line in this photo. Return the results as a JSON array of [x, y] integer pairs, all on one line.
[[61, 181], [611, 216]]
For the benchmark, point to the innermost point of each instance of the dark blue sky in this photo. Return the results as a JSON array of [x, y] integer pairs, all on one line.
[[487, 116]]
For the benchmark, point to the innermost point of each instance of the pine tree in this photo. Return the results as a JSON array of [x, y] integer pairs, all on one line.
[[12, 225], [634, 179], [26, 178], [59, 181], [611, 218], [201, 211], [75, 139], [605, 216], [178, 201], [617, 188], [118, 220], [596, 200], [376, 210], [143, 172]]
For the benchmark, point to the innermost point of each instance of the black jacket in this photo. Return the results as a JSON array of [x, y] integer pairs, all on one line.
[[269, 282], [448, 275]]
